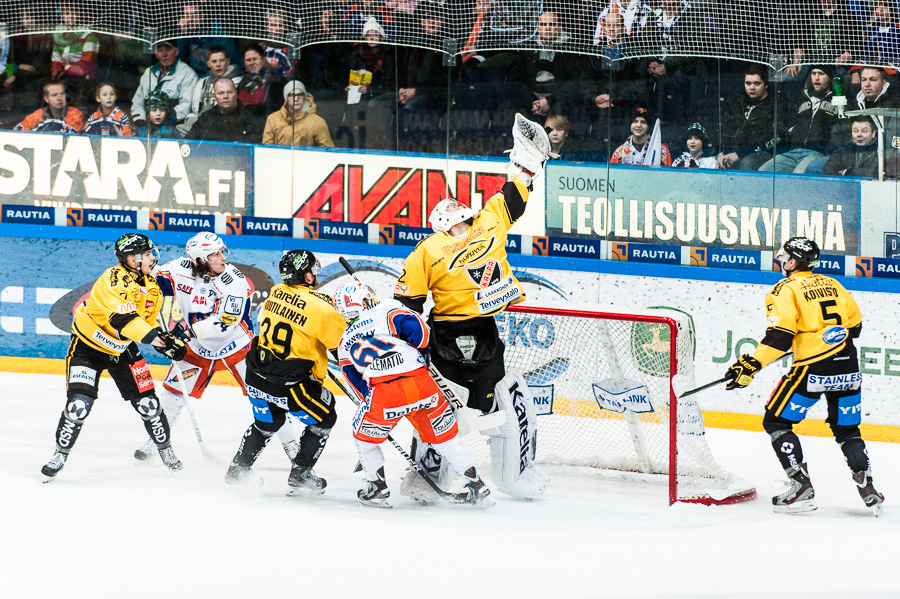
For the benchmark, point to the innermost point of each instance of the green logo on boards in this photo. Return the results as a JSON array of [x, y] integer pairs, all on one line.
[[650, 343]]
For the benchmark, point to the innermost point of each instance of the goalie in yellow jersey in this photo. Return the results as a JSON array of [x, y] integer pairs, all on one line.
[[120, 312], [286, 365], [814, 316], [464, 266]]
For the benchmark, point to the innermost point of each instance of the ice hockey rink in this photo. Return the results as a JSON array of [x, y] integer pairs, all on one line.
[[112, 527]]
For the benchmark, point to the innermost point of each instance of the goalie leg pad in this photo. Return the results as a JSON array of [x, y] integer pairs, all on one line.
[[513, 442]]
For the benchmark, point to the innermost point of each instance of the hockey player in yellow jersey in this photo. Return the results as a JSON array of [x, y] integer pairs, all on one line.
[[815, 317], [286, 365], [120, 311], [464, 265]]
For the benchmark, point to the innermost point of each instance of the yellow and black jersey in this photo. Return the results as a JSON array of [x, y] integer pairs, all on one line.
[[299, 323], [122, 307], [811, 314], [468, 277]]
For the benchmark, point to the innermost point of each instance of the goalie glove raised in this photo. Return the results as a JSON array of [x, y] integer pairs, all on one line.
[[531, 148]]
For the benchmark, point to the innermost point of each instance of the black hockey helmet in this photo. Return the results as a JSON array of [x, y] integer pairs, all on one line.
[[295, 264], [134, 244], [802, 249]]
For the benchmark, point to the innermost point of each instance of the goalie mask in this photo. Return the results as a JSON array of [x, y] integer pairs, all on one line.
[[352, 298], [135, 244], [448, 213], [201, 245], [802, 249], [295, 264]]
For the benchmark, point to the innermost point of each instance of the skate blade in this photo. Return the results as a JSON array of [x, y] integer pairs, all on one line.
[[303, 492], [798, 507], [48, 479], [382, 503], [877, 509]]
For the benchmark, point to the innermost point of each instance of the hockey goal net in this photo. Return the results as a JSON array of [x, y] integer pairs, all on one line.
[[603, 388]]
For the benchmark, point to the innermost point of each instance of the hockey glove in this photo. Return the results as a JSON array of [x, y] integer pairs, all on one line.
[[183, 332], [741, 372], [175, 348]]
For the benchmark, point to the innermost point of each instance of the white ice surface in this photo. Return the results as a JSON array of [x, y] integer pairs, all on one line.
[[112, 527]]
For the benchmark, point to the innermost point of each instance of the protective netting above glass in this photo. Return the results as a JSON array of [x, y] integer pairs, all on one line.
[[778, 33]]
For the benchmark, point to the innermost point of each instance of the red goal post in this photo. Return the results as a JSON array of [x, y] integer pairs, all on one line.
[[604, 384]]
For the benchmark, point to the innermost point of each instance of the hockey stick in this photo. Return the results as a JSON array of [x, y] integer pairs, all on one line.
[[445, 495], [209, 457], [706, 386], [720, 381]]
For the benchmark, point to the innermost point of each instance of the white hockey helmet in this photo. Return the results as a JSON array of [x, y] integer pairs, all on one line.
[[201, 245], [447, 213], [353, 297]]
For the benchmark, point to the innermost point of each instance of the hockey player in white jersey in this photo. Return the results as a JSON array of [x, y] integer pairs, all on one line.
[[214, 299], [382, 356]]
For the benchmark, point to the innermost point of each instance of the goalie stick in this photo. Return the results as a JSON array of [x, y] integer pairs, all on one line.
[[207, 455], [445, 495]]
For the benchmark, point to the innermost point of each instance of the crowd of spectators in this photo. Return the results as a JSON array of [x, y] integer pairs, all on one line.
[[635, 72]]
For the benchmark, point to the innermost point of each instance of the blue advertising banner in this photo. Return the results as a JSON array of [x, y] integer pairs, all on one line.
[[696, 207], [250, 225], [116, 219], [401, 234], [645, 252], [170, 221], [723, 258], [78, 171], [25, 215]]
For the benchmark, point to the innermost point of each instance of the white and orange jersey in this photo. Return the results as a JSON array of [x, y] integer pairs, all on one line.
[[384, 343], [217, 309]]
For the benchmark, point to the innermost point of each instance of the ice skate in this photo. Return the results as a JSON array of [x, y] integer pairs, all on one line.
[[143, 454], [376, 492], [799, 496], [870, 496], [242, 476], [170, 459], [52, 468], [304, 480], [477, 493]]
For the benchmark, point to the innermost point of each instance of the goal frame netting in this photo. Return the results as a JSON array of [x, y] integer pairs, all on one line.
[[714, 485]]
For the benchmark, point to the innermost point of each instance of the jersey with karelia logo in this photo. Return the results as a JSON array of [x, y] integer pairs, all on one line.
[[299, 323]]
